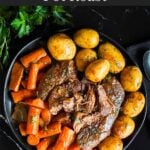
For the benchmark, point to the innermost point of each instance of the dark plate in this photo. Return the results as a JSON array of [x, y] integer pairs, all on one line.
[[8, 105]]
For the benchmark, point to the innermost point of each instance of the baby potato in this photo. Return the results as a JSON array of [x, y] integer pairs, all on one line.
[[111, 143], [134, 104], [84, 57], [61, 47], [123, 127], [113, 55], [86, 38], [131, 78], [97, 70]]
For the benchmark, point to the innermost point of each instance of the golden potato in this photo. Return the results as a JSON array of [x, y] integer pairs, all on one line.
[[113, 55], [111, 143], [84, 57], [61, 47], [123, 127], [97, 70], [134, 104], [86, 38], [131, 78]]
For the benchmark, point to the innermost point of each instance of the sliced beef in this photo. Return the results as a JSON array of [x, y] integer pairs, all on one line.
[[63, 118], [63, 96], [85, 102], [92, 135], [68, 104], [105, 104], [55, 106], [114, 91], [82, 121], [78, 100], [56, 75], [90, 99]]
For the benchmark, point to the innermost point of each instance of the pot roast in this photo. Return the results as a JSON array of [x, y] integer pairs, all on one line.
[[90, 107]]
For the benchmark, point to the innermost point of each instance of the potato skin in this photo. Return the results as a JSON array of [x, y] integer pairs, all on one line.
[[113, 55], [111, 143], [86, 38], [61, 47], [84, 57], [97, 70], [123, 127], [131, 78], [134, 104]]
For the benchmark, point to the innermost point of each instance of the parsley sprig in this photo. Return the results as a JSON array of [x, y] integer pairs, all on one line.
[[22, 20]]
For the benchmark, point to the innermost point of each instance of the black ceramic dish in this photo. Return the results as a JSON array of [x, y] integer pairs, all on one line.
[[8, 104]]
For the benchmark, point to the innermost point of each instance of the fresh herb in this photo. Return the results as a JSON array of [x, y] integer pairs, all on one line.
[[60, 15], [27, 19], [21, 21], [4, 40], [33, 119]]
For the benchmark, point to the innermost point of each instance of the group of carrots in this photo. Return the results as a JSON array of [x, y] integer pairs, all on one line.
[[38, 128]]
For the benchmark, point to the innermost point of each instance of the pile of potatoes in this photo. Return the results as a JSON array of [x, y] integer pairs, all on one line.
[[96, 60]]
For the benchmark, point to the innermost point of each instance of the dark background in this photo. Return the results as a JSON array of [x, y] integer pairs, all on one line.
[[126, 25]]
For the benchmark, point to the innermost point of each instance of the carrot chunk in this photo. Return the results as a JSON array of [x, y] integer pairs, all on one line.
[[33, 120], [22, 94], [44, 62], [32, 57], [65, 139], [37, 102], [32, 78], [33, 140], [52, 129], [44, 143], [46, 116], [16, 76]]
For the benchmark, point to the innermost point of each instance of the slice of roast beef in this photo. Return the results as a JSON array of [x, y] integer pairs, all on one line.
[[56, 75], [68, 104], [63, 118], [92, 135], [106, 106], [63, 96], [85, 102], [114, 91], [82, 121]]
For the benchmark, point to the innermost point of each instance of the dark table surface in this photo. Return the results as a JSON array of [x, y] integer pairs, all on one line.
[[126, 25]]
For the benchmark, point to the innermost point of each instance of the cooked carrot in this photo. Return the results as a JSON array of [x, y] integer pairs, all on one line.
[[44, 62], [44, 143], [32, 78], [46, 116], [33, 120], [52, 129], [22, 129], [33, 140], [16, 76], [65, 139], [74, 146], [22, 94], [33, 57], [37, 102], [24, 83]]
